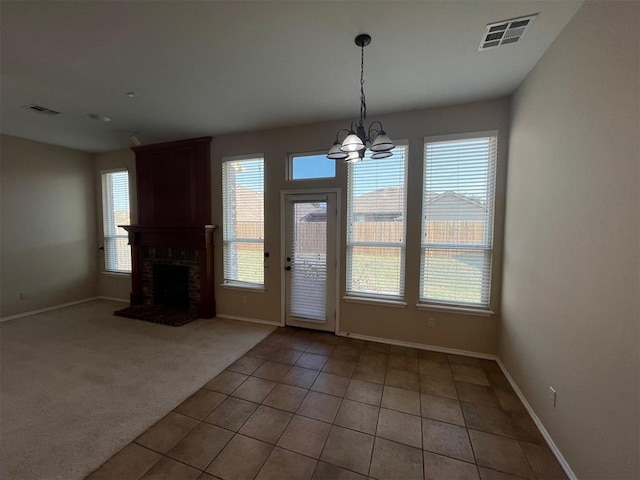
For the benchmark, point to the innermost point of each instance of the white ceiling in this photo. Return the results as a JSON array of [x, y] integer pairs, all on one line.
[[212, 68]]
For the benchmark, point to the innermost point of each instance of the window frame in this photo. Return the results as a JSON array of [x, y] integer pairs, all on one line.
[[482, 308], [289, 172], [236, 284], [108, 218], [356, 296]]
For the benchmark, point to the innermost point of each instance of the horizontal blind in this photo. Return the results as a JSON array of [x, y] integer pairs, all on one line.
[[116, 212], [308, 276], [243, 220], [457, 225], [376, 213]]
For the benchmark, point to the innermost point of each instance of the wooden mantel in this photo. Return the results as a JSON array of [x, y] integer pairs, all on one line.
[[199, 238]]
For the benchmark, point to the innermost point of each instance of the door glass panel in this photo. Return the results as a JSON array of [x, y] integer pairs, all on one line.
[[308, 285]]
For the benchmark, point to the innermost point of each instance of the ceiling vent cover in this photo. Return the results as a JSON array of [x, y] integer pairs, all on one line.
[[505, 32], [40, 109]]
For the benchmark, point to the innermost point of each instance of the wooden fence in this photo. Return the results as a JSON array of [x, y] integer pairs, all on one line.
[[311, 237]]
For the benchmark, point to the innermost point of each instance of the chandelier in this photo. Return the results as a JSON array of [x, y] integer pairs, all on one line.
[[357, 138]]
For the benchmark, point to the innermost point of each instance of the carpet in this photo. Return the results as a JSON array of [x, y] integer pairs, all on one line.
[[77, 384]]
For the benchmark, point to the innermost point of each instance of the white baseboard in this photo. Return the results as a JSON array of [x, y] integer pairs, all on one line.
[[420, 346], [563, 463], [247, 319], [47, 309], [113, 299]]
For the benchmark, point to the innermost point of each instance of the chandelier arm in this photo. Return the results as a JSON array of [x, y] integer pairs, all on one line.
[[340, 131], [374, 132]]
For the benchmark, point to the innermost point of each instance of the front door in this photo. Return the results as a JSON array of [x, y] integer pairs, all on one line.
[[310, 255]]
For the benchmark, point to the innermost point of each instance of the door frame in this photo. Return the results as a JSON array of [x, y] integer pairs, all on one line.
[[283, 253]]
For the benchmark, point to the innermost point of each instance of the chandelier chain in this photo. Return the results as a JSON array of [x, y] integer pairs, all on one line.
[[363, 102]]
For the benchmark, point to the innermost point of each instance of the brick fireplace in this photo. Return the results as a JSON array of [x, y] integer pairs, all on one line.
[[190, 247]]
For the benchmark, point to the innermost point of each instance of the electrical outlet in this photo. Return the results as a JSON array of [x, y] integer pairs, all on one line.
[[244, 299], [24, 296], [551, 397], [431, 322]]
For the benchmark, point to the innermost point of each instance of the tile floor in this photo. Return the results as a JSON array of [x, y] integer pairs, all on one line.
[[311, 405]]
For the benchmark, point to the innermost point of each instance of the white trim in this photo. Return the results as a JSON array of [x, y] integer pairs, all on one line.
[[556, 451], [244, 288], [247, 319], [109, 273], [375, 301], [114, 170], [47, 309], [419, 346], [460, 136], [252, 156], [455, 309], [486, 356], [289, 169], [113, 299], [302, 192]]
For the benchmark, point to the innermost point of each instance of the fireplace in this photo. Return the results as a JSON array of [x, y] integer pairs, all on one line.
[[171, 285], [172, 271], [172, 246]]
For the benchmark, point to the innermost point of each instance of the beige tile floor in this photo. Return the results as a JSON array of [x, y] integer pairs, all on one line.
[[311, 405]]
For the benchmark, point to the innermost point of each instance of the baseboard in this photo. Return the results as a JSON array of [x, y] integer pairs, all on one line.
[[247, 319], [113, 299], [563, 463], [47, 309], [420, 346]]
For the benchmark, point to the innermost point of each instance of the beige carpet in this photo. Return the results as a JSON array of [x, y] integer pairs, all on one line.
[[77, 384]]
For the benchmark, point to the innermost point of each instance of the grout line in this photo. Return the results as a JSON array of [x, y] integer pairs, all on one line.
[[360, 350]]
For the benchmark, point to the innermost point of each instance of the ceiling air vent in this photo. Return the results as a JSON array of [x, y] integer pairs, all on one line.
[[41, 109], [507, 31]]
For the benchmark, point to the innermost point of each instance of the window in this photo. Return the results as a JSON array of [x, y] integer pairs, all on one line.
[[243, 220], [115, 212], [457, 225], [376, 212], [311, 166]]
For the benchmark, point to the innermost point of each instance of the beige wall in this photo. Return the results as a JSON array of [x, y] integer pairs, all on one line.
[[113, 285], [570, 312], [465, 332], [48, 239]]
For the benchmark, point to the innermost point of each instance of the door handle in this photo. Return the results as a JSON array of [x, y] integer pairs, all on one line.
[[288, 267]]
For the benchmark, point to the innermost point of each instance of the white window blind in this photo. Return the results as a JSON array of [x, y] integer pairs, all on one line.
[[376, 213], [243, 220], [308, 253], [115, 212], [457, 224]]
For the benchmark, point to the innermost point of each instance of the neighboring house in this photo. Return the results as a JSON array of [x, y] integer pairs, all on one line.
[[381, 205], [450, 206]]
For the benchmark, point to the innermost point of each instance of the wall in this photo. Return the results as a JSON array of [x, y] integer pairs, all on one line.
[[466, 332], [48, 226], [570, 312], [113, 285]]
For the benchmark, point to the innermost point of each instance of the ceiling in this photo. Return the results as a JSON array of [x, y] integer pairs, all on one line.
[[213, 68]]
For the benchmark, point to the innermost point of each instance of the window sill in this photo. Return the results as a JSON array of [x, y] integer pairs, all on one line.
[[478, 312], [375, 301], [116, 274], [239, 286]]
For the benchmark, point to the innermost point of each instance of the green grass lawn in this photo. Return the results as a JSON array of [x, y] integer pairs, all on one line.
[[377, 274]]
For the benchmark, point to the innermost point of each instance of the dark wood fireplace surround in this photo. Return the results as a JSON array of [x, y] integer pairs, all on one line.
[[174, 214]]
